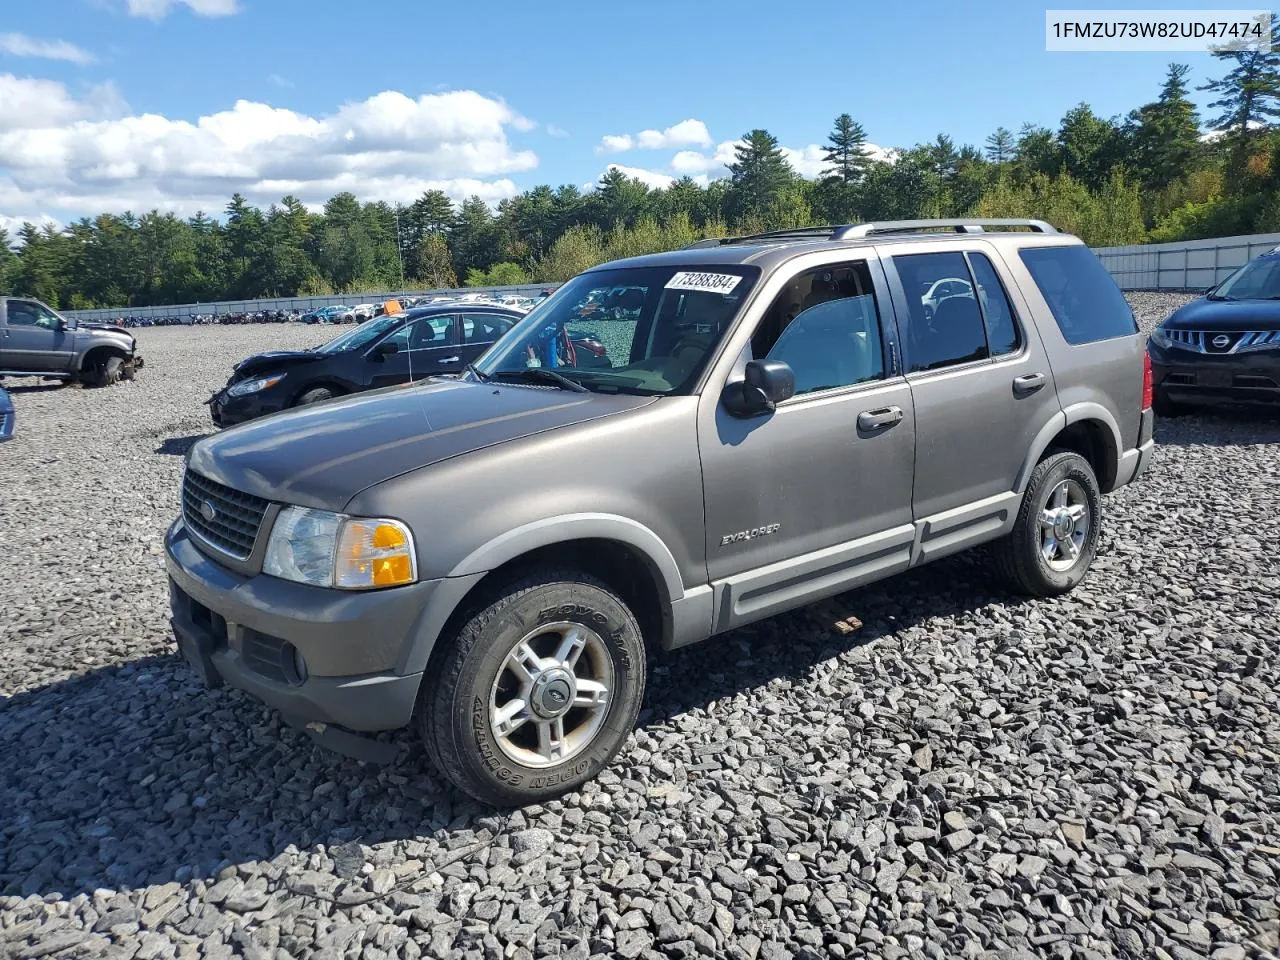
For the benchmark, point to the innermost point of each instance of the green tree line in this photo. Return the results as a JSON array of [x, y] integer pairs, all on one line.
[[1147, 176]]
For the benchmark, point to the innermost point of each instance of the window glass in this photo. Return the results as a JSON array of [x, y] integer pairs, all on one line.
[[1083, 298], [483, 327], [1258, 279], [23, 314], [826, 327], [426, 333], [942, 331], [1003, 335], [647, 330]]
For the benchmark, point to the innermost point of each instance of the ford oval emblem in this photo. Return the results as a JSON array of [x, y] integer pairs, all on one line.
[[1221, 341], [208, 511]]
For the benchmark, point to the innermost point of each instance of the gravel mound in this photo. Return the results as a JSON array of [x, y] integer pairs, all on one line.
[[966, 775]]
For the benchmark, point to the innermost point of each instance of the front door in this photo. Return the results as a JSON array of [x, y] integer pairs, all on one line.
[[815, 497], [975, 371], [31, 339]]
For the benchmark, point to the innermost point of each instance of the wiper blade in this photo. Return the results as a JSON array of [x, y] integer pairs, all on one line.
[[1214, 296], [541, 373], [472, 369]]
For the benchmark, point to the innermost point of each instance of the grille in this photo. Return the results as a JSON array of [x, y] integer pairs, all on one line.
[[236, 518], [1203, 340]]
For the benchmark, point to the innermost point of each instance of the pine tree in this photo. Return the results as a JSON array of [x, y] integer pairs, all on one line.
[[1165, 135], [1249, 98], [758, 175], [1000, 146], [846, 156]]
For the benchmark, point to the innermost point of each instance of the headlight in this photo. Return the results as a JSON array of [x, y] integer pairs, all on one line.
[[1161, 338], [331, 550], [253, 386]]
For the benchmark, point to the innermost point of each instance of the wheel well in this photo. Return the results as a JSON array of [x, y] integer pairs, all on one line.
[[99, 354], [1092, 440], [623, 568]]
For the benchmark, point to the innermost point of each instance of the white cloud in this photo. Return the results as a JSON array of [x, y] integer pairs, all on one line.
[[807, 161], [554, 131], [159, 9], [20, 45], [686, 133], [60, 154], [283, 83], [650, 178]]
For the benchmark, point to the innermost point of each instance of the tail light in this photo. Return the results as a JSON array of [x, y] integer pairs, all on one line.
[[1146, 381]]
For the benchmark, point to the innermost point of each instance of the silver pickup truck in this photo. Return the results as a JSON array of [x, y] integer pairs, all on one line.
[[493, 559], [37, 341]]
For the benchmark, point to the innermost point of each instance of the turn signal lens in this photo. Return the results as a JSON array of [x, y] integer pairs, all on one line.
[[374, 553]]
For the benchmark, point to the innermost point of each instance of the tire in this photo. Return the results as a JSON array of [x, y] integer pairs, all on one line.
[[1024, 557], [107, 372], [314, 395], [1164, 407], [472, 678]]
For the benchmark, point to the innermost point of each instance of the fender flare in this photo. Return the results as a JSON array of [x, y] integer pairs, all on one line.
[[576, 526], [1086, 410], [90, 350]]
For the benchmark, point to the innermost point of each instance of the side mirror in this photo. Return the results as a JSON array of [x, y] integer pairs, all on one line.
[[766, 384], [385, 349]]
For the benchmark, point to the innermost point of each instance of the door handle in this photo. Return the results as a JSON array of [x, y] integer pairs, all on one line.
[[449, 360], [875, 419], [1029, 384]]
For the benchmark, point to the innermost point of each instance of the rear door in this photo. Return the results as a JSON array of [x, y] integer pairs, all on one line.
[[31, 338], [981, 387], [480, 331]]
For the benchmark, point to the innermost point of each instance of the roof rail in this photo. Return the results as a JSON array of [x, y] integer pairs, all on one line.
[[856, 231]]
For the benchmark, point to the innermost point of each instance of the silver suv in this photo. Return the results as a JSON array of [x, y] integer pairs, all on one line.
[[495, 558]]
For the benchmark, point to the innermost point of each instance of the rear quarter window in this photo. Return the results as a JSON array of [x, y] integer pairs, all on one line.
[[1084, 300]]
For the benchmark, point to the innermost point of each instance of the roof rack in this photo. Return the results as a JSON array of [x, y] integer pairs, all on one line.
[[857, 231]]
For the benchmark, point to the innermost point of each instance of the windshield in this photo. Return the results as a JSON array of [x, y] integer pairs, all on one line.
[[1257, 280], [361, 335], [647, 330]]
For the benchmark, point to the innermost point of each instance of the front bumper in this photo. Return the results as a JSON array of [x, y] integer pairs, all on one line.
[[1191, 377], [317, 655], [227, 411]]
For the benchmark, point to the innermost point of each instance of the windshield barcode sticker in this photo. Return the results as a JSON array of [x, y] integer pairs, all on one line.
[[706, 282]]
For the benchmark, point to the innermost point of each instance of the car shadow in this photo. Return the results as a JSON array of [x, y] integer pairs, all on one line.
[[178, 446], [44, 386], [1225, 427], [133, 775]]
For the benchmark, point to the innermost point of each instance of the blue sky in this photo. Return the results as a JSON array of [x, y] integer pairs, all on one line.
[[113, 119]]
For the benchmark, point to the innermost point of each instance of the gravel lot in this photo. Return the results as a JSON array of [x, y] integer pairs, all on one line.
[[968, 775]]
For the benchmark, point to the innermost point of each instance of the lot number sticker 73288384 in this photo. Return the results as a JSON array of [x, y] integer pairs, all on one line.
[[706, 282]]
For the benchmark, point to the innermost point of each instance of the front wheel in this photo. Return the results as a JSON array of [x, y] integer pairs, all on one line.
[[315, 395], [1055, 536], [107, 372], [537, 692]]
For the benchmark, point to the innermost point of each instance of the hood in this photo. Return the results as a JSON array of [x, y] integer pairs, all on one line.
[[323, 455], [1205, 314], [108, 327], [273, 359]]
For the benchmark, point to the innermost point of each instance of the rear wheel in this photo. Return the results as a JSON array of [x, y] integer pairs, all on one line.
[[537, 692], [1055, 536]]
